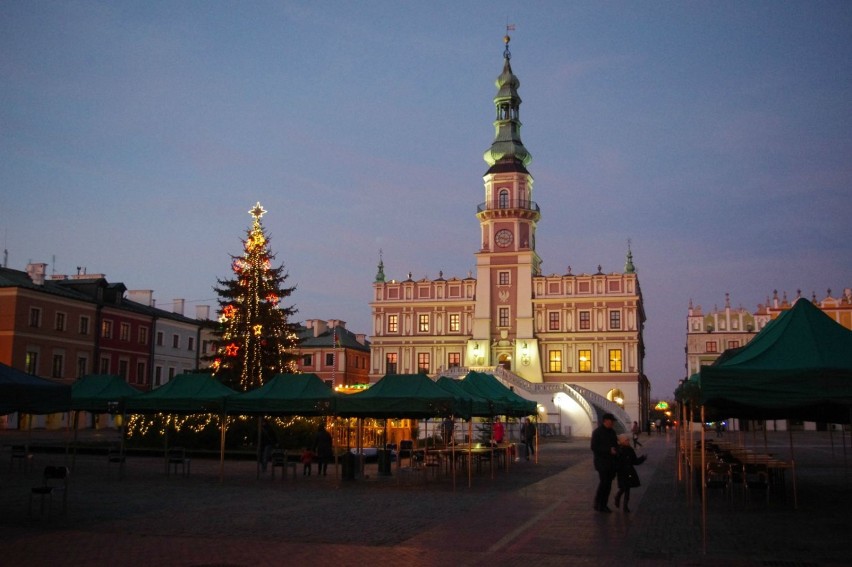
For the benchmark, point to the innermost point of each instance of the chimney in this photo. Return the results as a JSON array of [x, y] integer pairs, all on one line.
[[177, 306], [361, 338], [143, 296], [319, 326], [202, 312], [36, 273]]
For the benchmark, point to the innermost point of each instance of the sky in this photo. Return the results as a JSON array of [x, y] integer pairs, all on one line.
[[715, 136]]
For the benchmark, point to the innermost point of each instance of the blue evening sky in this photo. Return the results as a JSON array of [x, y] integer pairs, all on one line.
[[717, 136]]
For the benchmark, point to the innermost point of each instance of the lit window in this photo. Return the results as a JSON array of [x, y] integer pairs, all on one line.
[[455, 322], [585, 320], [390, 363], [393, 323], [555, 360], [711, 347], [106, 329], [503, 317], [423, 325], [423, 362], [454, 360], [585, 361], [615, 360], [553, 320], [733, 344], [615, 320]]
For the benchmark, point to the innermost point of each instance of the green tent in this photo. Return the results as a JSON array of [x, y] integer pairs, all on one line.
[[286, 394], [506, 401], [798, 367], [101, 393], [474, 406], [399, 396], [25, 393], [185, 393]]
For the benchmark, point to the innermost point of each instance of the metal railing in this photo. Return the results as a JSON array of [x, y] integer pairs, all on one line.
[[524, 204]]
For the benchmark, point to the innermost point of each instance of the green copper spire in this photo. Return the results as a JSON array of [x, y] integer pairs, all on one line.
[[629, 268], [507, 152], [380, 275]]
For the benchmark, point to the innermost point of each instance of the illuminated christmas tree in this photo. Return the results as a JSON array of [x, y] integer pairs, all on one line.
[[255, 339]]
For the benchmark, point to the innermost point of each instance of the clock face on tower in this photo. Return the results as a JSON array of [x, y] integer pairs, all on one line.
[[503, 238]]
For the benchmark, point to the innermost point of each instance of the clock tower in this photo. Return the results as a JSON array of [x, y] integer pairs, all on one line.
[[507, 260]]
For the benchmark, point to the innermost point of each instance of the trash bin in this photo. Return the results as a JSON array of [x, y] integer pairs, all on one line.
[[348, 466], [384, 460]]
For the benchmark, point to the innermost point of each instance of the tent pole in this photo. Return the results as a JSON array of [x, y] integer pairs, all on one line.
[[223, 426], [793, 467], [259, 448], [470, 452], [74, 453], [703, 492]]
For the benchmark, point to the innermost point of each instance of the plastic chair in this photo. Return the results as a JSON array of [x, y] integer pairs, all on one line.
[[54, 479], [756, 479], [718, 476], [176, 457], [278, 458]]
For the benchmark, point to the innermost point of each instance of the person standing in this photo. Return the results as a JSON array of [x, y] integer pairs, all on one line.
[[528, 434], [627, 477], [267, 441], [497, 431], [636, 430], [604, 447], [323, 447]]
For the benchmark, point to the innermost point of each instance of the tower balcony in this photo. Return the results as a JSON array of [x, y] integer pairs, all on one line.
[[511, 208]]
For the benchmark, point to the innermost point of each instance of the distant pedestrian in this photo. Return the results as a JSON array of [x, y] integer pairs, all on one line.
[[720, 430], [604, 445], [636, 430], [307, 460], [497, 431], [627, 477], [267, 441], [528, 434], [324, 449], [447, 429]]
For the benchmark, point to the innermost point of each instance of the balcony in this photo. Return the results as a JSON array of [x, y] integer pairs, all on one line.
[[509, 205]]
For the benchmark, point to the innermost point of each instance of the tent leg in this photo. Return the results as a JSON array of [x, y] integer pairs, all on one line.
[[223, 426], [793, 468], [703, 492]]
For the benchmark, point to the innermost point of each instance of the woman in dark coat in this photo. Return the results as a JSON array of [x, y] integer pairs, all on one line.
[[627, 478]]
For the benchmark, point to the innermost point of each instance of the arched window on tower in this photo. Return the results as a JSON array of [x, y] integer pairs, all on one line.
[[503, 199]]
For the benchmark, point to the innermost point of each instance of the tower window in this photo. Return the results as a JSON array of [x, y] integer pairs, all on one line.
[[503, 199], [503, 317], [503, 278]]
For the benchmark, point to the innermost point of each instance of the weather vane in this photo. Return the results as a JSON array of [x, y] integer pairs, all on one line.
[[507, 39]]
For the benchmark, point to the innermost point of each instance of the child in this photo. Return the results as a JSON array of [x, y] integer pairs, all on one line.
[[307, 459], [627, 478]]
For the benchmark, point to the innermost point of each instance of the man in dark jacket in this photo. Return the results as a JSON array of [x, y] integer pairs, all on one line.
[[604, 446]]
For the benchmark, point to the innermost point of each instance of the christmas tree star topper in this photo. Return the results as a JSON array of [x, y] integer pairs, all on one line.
[[257, 211]]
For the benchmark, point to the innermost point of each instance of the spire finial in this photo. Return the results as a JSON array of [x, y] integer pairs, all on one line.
[[506, 39], [380, 275], [629, 268]]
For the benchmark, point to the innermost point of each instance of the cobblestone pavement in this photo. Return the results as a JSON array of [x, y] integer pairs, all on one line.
[[537, 513]]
